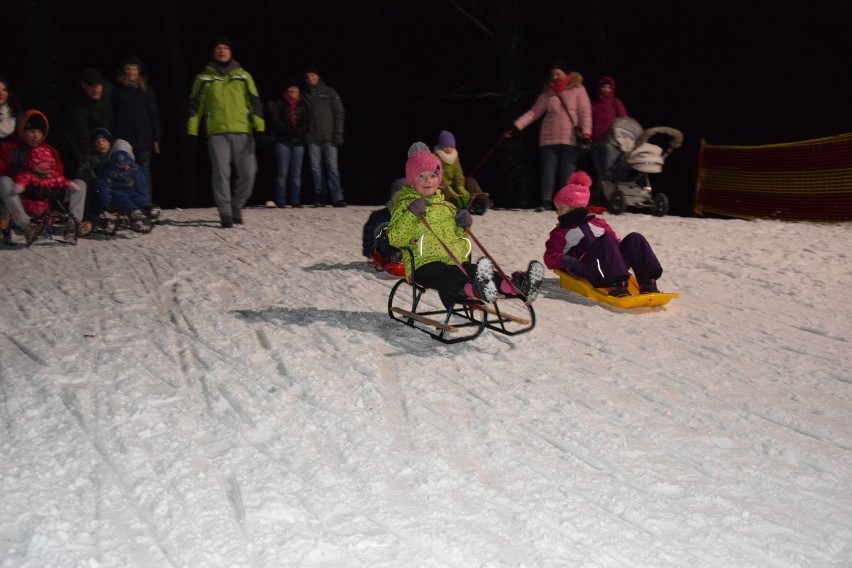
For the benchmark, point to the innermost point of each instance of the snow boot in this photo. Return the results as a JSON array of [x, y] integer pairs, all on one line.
[[227, 221], [152, 211], [648, 287], [237, 216], [139, 222], [33, 230], [483, 280], [530, 281], [619, 290], [71, 232]]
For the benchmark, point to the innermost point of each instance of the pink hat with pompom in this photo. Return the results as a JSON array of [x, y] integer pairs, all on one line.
[[420, 160], [576, 192]]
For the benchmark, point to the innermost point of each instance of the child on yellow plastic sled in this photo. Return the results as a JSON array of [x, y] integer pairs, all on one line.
[[585, 246]]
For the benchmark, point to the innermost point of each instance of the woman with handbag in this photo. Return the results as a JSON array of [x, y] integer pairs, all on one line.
[[567, 126]]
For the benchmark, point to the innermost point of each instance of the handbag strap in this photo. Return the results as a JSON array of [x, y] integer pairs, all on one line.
[[568, 112]]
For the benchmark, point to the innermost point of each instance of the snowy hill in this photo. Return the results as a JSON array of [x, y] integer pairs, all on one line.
[[203, 397]]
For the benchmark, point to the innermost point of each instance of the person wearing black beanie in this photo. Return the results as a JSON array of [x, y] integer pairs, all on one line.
[[225, 98]]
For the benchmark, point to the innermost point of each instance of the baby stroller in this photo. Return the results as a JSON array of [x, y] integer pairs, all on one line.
[[631, 157]]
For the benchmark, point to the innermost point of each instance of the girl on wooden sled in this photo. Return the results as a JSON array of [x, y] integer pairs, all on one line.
[[425, 223]]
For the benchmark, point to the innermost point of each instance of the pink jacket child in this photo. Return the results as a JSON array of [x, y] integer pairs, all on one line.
[[38, 178], [585, 246]]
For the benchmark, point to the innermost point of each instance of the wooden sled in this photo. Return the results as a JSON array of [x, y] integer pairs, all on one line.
[[635, 300], [409, 304]]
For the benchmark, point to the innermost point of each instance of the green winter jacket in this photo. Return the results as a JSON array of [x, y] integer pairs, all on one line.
[[226, 97], [453, 182], [405, 231]]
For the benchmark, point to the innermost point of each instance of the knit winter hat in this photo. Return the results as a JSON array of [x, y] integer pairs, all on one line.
[[92, 77], [222, 40], [101, 133], [420, 160], [33, 120], [311, 69], [446, 138], [576, 192]]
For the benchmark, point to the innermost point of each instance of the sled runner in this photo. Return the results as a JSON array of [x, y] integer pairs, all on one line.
[[635, 300], [509, 314], [413, 306], [56, 219]]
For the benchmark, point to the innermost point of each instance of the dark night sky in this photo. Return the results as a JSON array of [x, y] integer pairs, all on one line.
[[744, 72]]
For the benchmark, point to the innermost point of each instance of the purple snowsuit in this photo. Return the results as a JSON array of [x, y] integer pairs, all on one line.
[[587, 247]]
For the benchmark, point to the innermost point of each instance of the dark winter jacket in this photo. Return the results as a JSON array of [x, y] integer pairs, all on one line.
[[605, 109], [136, 116], [123, 190], [83, 116], [325, 114], [281, 127]]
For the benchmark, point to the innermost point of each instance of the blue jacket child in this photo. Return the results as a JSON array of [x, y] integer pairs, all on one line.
[[123, 188]]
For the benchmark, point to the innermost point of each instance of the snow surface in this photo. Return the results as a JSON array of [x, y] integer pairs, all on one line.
[[200, 397]]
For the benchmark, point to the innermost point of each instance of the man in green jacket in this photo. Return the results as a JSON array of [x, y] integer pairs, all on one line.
[[225, 97]]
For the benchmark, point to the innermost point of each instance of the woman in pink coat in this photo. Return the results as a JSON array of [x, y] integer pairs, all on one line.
[[564, 104]]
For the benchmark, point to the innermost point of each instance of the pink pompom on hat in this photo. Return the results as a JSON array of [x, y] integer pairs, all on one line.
[[420, 160], [576, 192]]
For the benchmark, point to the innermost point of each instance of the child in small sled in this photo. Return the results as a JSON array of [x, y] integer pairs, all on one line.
[[434, 231], [585, 245]]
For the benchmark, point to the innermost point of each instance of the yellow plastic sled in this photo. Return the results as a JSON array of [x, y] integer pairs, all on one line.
[[635, 300]]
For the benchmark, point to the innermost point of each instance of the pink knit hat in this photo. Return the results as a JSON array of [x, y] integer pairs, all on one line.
[[576, 192], [422, 161]]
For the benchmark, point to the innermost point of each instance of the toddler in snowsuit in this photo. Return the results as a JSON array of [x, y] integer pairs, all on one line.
[[39, 178], [585, 246], [433, 230], [123, 189]]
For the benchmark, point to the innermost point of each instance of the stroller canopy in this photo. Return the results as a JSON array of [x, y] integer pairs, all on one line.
[[623, 133]]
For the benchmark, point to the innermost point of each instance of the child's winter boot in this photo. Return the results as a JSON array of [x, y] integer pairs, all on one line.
[[648, 286], [483, 280], [619, 290]]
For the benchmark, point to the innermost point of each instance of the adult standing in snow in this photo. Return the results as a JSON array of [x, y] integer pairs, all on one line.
[[564, 104], [225, 97], [135, 112], [605, 109], [325, 135], [91, 108], [9, 114], [288, 124]]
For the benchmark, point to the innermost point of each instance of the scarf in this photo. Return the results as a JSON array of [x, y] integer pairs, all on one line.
[[291, 112], [561, 85]]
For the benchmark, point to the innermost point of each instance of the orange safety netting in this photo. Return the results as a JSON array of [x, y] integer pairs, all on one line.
[[798, 181]]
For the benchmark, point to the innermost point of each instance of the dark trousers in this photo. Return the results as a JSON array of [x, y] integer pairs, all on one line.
[[607, 262], [447, 279]]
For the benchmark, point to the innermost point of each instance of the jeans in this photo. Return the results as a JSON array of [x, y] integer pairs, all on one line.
[[560, 158], [143, 158], [325, 154], [289, 157]]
